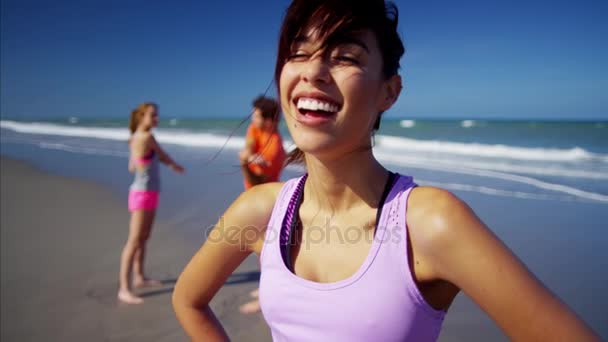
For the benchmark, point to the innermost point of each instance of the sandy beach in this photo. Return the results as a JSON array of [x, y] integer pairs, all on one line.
[[61, 240], [64, 222]]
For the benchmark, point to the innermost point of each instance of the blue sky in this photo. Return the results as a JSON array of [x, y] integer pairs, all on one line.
[[465, 59]]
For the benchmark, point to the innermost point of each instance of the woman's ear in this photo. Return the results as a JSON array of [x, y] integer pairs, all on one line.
[[391, 91]]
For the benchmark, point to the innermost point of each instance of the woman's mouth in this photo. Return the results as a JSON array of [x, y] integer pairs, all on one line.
[[313, 111]]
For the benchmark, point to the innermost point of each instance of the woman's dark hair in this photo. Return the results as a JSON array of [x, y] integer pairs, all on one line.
[[268, 106], [337, 18]]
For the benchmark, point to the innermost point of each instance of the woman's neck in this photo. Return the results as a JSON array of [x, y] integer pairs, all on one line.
[[142, 130], [352, 180], [269, 130]]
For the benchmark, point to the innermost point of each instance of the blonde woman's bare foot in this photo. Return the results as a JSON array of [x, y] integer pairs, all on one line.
[[127, 297], [250, 307], [142, 283], [255, 293]]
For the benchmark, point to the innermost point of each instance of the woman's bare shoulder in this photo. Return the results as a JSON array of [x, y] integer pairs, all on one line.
[[250, 214], [254, 206], [262, 196], [140, 141], [435, 215]]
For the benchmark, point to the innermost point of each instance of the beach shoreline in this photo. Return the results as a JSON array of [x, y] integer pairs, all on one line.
[[76, 285], [61, 240]]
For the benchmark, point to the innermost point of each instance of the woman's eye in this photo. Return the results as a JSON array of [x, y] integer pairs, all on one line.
[[346, 59], [297, 57]]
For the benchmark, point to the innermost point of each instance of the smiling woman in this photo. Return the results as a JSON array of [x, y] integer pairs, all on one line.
[[350, 236], [332, 43], [317, 76]]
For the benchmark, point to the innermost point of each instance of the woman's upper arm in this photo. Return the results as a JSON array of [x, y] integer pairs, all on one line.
[[131, 166], [464, 252], [238, 232], [138, 145], [250, 139], [152, 144], [155, 146]]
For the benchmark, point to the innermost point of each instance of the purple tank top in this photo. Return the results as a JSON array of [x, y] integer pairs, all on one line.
[[380, 302]]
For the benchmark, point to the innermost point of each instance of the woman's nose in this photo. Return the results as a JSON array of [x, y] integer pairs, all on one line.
[[316, 70]]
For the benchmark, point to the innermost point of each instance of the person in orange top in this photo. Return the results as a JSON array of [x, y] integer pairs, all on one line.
[[263, 157]]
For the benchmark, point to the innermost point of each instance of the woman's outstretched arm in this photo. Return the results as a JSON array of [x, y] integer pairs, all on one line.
[[239, 232], [164, 156], [460, 249]]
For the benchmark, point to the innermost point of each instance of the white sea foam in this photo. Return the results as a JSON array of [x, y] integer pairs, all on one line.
[[467, 123], [169, 136], [413, 162], [407, 123], [511, 163], [538, 169], [83, 150], [68, 131], [486, 150], [492, 191], [200, 139]]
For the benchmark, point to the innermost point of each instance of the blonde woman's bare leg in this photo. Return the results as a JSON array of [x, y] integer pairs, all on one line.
[[134, 242], [139, 278]]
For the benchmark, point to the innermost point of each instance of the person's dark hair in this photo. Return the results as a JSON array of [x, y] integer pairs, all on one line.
[[268, 106], [338, 18]]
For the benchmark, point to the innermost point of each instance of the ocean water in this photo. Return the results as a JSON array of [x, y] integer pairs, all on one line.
[[541, 186], [525, 159]]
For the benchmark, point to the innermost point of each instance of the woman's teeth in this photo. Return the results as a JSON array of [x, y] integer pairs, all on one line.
[[316, 105]]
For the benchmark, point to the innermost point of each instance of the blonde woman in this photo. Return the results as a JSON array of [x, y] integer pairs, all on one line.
[[145, 155]]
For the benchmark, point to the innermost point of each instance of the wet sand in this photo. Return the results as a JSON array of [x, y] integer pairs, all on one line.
[[60, 245], [61, 238]]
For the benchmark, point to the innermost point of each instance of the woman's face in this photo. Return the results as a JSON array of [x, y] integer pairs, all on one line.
[[150, 118], [259, 121], [331, 97]]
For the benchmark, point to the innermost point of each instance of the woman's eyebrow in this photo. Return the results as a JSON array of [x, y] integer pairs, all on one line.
[[298, 40], [333, 41], [344, 40]]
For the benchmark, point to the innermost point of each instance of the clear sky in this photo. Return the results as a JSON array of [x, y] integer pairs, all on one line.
[[465, 59]]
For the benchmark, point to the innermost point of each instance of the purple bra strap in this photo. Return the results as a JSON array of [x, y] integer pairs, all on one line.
[[291, 209]]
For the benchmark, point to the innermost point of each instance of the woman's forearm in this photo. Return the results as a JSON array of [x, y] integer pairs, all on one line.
[[201, 325], [164, 157]]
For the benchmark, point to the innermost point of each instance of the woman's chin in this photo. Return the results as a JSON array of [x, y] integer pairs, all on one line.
[[318, 149], [314, 144]]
